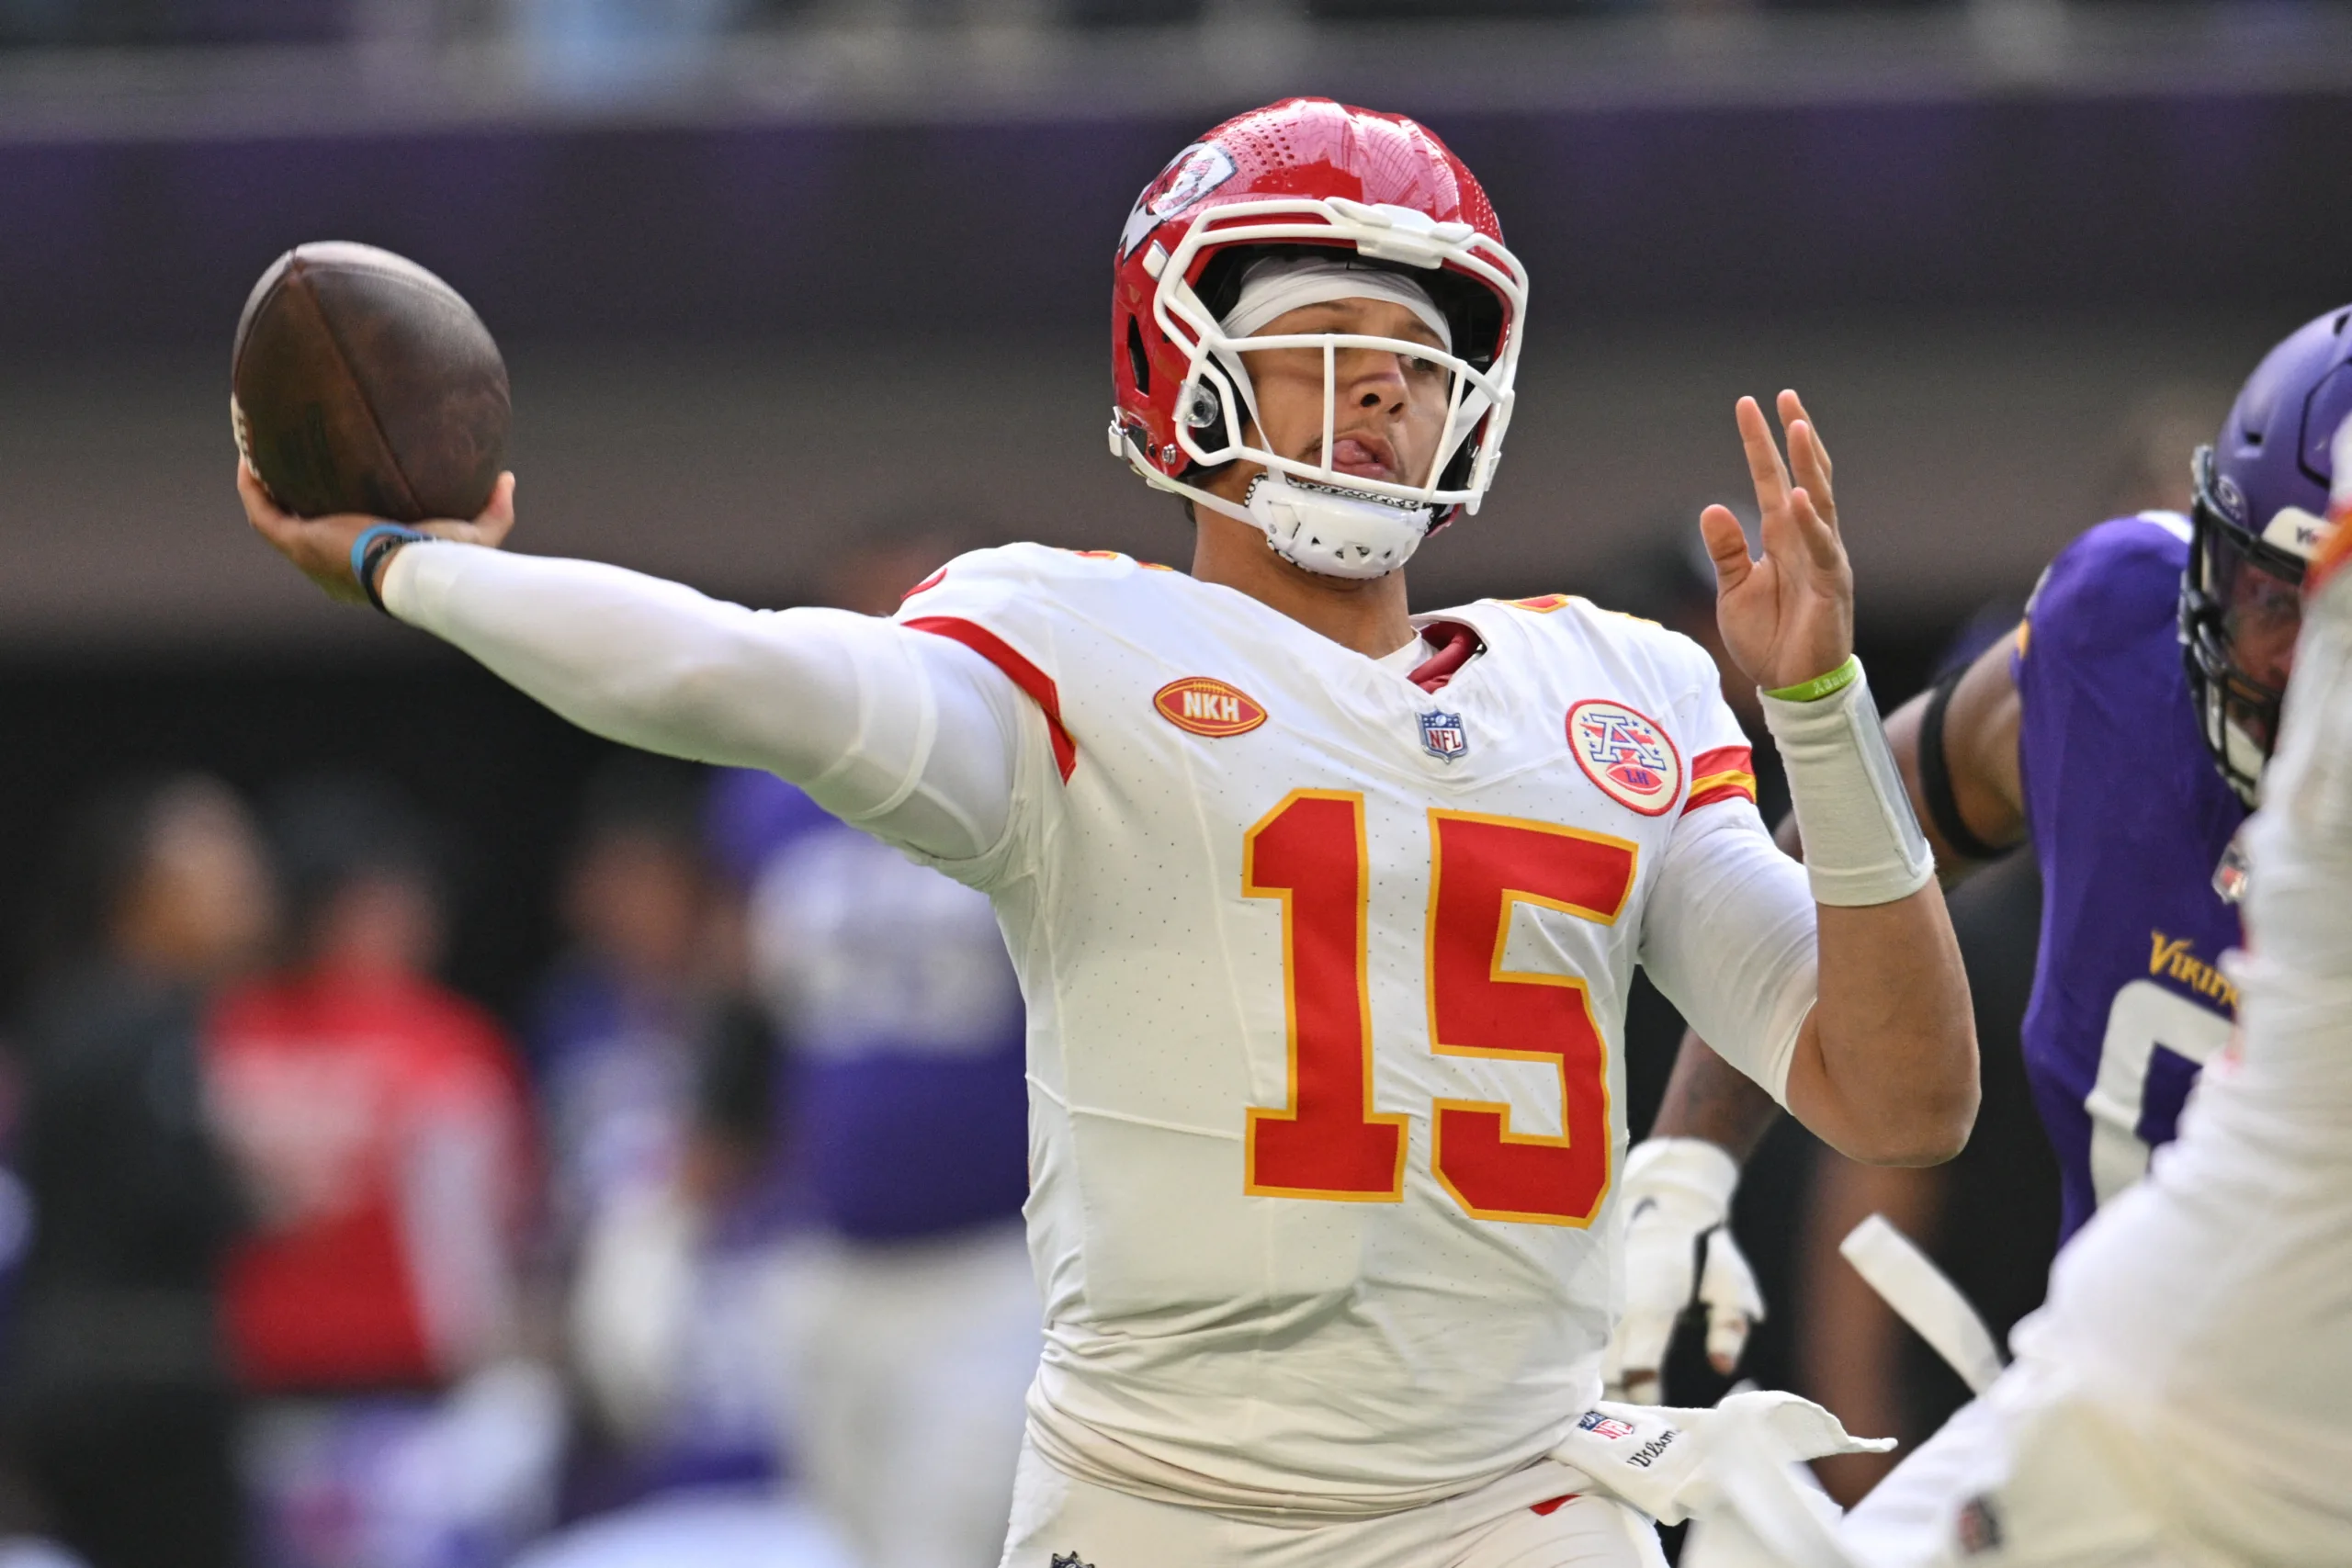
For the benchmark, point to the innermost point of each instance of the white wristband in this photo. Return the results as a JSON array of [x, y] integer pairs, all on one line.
[[1862, 845]]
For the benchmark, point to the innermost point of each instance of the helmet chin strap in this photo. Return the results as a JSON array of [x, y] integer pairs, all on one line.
[[2249, 758], [1355, 536]]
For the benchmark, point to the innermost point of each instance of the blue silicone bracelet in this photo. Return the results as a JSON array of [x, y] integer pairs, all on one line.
[[361, 565]]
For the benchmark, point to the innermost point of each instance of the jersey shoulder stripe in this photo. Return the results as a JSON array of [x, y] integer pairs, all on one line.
[[1727, 772], [1035, 683], [1006, 604]]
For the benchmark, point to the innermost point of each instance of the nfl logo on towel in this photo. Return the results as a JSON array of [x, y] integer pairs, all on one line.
[[1601, 1425], [1443, 736]]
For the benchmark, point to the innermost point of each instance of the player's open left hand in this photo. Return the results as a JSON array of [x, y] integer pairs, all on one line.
[[1787, 616], [320, 547]]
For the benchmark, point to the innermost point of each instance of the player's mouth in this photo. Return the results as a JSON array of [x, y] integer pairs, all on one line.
[[1363, 456]]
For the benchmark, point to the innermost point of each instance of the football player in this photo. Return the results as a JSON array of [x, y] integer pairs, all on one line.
[[2123, 727], [2185, 1398], [1324, 914]]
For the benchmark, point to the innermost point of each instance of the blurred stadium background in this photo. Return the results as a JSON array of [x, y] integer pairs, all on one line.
[[779, 280]]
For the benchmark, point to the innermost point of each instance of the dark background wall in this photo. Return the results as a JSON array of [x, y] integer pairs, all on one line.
[[870, 233]]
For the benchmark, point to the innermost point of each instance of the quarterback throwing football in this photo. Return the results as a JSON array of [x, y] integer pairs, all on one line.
[[1324, 913]]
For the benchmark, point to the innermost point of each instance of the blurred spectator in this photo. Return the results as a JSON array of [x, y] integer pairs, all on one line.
[[379, 1123], [660, 1210], [918, 1329], [120, 1398], [612, 1031]]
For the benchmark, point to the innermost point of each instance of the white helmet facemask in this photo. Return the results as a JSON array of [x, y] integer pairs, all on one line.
[[1312, 513], [1325, 525]]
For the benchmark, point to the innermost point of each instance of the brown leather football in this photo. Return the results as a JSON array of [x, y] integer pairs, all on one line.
[[363, 383]]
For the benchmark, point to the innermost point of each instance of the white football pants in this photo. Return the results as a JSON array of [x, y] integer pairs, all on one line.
[[910, 1366], [1059, 1522]]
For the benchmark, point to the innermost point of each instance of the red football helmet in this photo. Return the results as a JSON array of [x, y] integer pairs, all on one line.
[[1306, 173]]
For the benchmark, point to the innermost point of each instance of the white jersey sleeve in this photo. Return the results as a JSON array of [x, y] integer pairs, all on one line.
[[1729, 935], [912, 738]]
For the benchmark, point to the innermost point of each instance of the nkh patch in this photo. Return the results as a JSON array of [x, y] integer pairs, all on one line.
[[1205, 705], [1443, 736], [1601, 1425], [1627, 754]]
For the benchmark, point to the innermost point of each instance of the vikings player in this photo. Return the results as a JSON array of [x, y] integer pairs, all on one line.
[[2185, 1398], [1324, 914], [2123, 727]]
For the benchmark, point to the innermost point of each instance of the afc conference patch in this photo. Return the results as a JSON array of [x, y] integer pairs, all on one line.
[[1443, 736], [1601, 1425], [1627, 754]]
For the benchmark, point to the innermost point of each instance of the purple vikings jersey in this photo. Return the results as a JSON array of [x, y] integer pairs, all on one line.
[[2129, 818], [909, 1103]]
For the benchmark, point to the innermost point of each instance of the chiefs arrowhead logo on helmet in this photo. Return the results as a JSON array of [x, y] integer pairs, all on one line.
[[1189, 176]]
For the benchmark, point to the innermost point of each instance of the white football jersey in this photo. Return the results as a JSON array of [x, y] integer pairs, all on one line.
[[1326, 977]]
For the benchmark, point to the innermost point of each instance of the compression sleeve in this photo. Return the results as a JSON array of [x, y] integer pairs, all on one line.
[[910, 737], [1728, 938]]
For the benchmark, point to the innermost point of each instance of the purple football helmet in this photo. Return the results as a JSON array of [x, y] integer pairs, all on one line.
[[2259, 515]]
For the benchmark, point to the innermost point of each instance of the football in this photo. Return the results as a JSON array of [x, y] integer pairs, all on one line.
[[361, 382]]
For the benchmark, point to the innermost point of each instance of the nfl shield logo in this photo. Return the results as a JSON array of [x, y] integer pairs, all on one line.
[[1602, 1425], [1443, 736]]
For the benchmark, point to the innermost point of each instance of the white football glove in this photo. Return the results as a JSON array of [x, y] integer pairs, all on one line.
[[1677, 1193]]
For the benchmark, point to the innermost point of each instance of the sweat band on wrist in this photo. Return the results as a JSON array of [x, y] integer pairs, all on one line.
[[1862, 845], [369, 550], [1821, 686]]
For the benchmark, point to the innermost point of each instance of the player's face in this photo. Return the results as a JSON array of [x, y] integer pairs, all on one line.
[[2261, 613], [1390, 407]]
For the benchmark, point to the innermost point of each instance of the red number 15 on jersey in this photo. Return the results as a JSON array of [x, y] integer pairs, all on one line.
[[1327, 1142]]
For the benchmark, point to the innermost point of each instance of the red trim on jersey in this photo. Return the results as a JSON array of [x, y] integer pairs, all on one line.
[[1028, 677], [1453, 645], [1727, 772], [1556, 1504]]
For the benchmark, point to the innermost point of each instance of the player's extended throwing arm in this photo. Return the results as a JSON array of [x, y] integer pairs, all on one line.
[[908, 735]]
